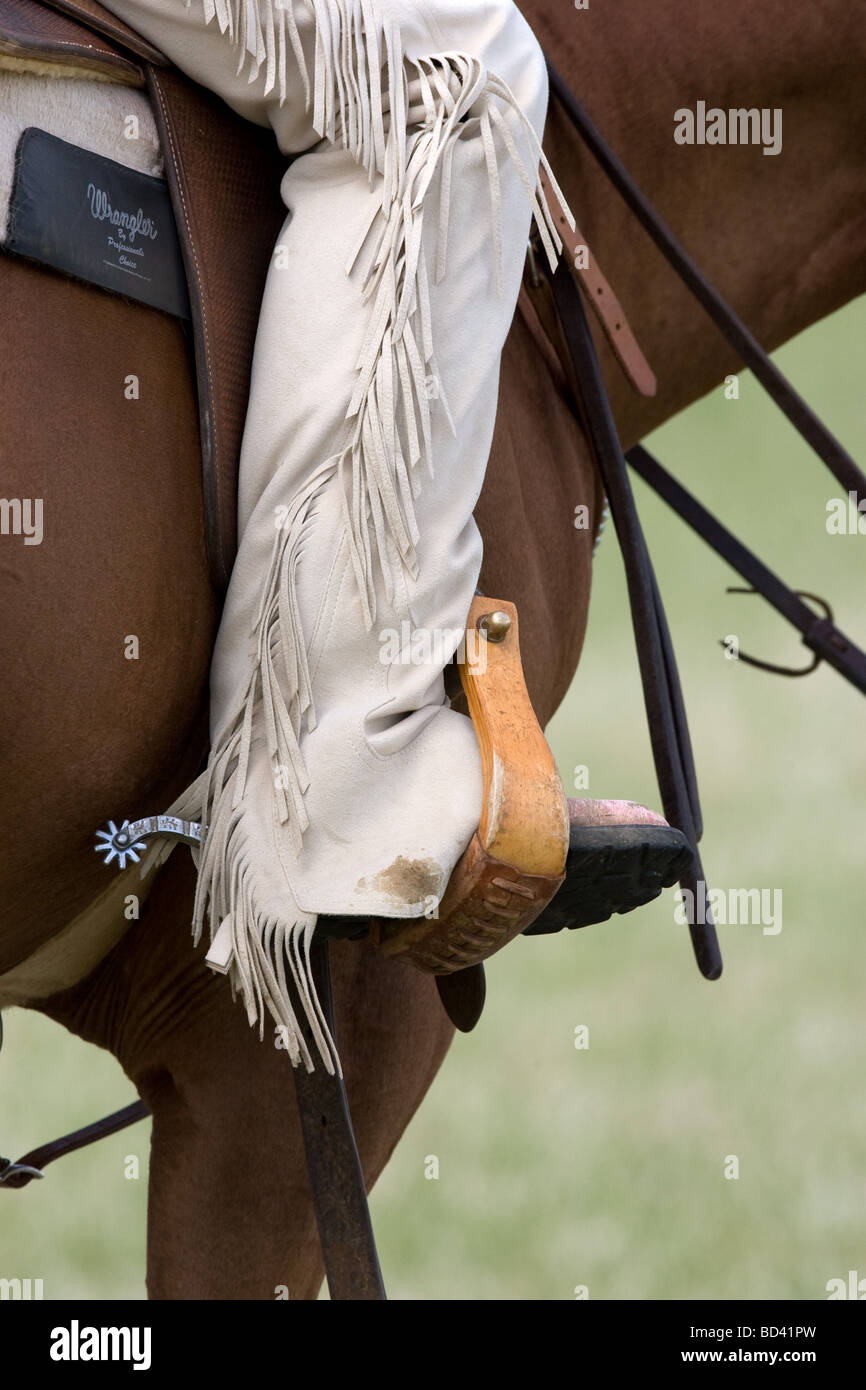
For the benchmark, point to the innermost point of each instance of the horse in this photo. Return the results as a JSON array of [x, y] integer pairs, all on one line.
[[87, 732]]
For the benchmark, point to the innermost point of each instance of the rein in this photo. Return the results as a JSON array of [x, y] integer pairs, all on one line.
[[819, 634], [668, 726]]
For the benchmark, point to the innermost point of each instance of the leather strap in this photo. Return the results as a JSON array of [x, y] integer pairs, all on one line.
[[333, 1165], [668, 727], [30, 31], [95, 16], [30, 1165], [662, 693], [819, 633], [780, 390], [600, 296], [224, 177], [463, 993]]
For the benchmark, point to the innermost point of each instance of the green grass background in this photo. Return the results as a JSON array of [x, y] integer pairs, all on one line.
[[605, 1167]]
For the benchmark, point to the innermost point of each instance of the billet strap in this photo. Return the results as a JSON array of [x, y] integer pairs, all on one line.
[[819, 633], [792, 405], [668, 728], [605, 304]]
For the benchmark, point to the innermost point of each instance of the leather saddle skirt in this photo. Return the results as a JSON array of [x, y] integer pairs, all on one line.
[[220, 186]]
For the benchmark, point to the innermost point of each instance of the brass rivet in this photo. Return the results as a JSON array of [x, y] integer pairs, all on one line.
[[495, 625]]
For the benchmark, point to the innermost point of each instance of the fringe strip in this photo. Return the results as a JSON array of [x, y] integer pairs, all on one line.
[[249, 942], [363, 100]]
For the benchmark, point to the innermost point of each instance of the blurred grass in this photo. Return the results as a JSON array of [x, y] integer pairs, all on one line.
[[605, 1167]]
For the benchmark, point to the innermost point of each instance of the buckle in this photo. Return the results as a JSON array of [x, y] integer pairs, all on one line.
[[17, 1174]]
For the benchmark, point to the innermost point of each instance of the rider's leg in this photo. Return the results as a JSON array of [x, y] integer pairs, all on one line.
[[340, 782]]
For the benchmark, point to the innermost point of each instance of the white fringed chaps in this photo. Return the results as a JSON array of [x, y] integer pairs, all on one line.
[[339, 782]]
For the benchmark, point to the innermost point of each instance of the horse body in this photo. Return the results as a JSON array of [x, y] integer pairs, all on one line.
[[90, 734]]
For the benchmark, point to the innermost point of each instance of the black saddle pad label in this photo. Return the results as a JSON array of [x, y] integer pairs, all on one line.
[[97, 220]]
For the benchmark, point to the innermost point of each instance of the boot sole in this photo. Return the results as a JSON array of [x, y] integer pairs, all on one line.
[[613, 869]]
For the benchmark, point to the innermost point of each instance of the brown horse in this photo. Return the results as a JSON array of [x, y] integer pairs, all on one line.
[[89, 734]]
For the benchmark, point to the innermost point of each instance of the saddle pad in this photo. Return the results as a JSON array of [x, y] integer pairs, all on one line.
[[98, 220]]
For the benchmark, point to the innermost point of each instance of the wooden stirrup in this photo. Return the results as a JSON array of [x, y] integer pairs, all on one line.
[[515, 861]]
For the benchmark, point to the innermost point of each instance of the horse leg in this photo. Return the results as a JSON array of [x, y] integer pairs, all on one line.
[[230, 1214]]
